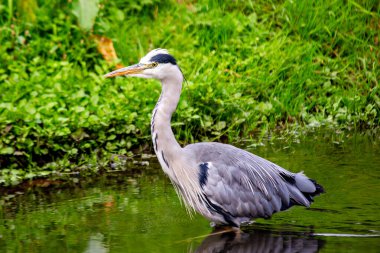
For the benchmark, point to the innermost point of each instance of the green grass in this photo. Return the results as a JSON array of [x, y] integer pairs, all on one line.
[[251, 66]]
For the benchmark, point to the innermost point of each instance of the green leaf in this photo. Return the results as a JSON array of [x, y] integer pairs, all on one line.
[[264, 108], [7, 151], [86, 12], [220, 125]]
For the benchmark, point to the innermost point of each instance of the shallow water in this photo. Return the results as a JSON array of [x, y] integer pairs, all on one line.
[[138, 210]]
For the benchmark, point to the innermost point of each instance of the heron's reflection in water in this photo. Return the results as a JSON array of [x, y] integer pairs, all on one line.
[[260, 241]]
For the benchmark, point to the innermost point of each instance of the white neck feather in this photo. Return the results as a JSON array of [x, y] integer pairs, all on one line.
[[165, 145], [172, 157]]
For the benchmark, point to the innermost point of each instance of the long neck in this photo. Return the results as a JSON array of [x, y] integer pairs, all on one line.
[[164, 142], [174, 160]]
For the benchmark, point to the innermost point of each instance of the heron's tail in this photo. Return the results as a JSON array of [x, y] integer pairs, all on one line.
[[318, 190], [302, 189], [308, 187]]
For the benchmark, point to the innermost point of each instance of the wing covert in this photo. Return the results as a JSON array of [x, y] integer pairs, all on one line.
[[230, 188], [243, 184]]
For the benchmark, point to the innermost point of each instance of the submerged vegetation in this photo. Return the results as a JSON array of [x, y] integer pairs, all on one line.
[[251, 67]]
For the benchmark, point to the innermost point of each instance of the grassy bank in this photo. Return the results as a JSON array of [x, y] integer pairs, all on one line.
[[251, 66]]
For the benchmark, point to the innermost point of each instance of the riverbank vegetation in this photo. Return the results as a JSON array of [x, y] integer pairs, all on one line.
[[251, 67]]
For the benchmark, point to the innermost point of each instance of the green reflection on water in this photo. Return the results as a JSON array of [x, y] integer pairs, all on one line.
[[138, 211]]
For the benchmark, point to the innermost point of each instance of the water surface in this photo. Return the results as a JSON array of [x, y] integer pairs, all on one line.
[[138, 210]]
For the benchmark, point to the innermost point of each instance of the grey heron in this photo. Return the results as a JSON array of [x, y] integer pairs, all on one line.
[[225, 184]]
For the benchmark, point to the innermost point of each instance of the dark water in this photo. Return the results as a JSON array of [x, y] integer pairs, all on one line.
[[138, 211]]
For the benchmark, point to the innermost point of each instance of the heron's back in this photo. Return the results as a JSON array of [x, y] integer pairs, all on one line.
[[240, 186]]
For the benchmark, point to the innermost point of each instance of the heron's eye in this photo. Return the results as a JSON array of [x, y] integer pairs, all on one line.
[[154, 64]]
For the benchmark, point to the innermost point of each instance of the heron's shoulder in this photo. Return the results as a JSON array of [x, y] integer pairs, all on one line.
[[225, 155], [215, 151], [211, 146]]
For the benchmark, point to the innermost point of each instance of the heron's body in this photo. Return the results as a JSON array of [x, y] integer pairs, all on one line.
[[225, 184]]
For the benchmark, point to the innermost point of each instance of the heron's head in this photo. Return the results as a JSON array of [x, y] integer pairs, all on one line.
[[157, 64]]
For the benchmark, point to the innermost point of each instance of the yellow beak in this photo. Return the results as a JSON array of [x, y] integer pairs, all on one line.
[[134, 69]]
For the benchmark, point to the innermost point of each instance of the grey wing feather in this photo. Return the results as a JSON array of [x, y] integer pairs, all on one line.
[[246, 185]]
